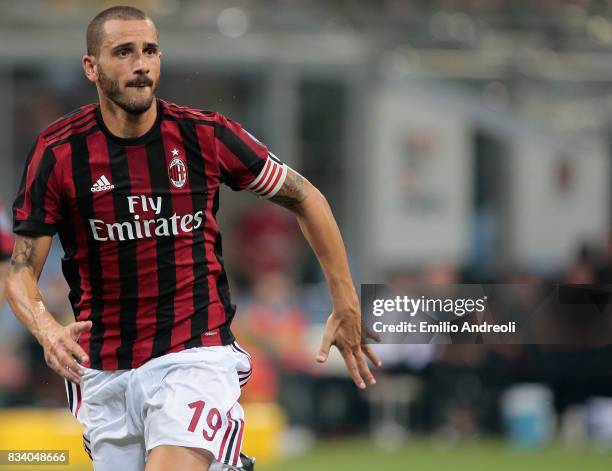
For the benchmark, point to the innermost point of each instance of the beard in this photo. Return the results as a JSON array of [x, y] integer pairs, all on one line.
[[112, 91]]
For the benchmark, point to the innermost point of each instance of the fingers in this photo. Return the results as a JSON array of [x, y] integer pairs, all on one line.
[[77, 328], [347, 337], [326, 344], [65, 358], [328, 340], [62, 352], [76, 351], [370, 334], [64, 371], [353, 369], [70, 375], [366, 374], [358, 367], [368, 352]]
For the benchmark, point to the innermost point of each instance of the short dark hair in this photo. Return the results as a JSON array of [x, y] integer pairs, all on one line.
[[95, 29]]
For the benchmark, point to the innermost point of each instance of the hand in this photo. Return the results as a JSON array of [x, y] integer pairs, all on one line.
[[345, 332], [62, 352]]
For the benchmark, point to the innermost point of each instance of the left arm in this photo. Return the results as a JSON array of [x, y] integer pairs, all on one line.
[[343, 327], [246, 163]]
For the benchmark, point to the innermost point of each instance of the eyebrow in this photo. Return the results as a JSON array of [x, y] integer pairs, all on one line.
[[131, 44]]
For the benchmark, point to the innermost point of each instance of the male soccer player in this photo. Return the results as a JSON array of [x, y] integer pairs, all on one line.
[[131, 185]]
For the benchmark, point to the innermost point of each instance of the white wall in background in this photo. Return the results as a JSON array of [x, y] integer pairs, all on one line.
[[418, 180], [559, 198]]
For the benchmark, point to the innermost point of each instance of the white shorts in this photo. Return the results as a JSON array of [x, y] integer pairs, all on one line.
[[188, 398]]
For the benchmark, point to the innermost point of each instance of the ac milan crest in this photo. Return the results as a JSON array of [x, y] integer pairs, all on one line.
[[177, 172]]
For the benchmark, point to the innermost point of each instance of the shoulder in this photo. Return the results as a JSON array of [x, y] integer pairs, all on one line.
[[186, 112], [181, 112], [57, 132], [68, 124]]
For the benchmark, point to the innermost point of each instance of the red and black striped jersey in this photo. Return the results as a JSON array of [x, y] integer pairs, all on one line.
[[137, 222], [6, 238]]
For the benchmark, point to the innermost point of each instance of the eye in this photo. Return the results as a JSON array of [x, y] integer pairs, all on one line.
[[150, 51], [123, 52]]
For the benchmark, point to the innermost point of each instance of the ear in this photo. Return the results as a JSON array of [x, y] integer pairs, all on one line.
[[90, 67]]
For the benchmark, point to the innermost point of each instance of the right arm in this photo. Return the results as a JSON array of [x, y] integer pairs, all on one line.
[[24, 296]]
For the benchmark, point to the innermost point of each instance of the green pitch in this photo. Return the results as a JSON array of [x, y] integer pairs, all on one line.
[[361, 455], [422, 455]]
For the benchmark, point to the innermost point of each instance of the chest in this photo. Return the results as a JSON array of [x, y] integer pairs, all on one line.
[[169, 175]]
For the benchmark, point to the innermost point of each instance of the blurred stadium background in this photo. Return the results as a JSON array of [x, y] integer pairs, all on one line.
[[456, 140]]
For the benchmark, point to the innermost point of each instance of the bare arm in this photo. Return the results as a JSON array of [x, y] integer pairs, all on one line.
[[23, 294], [26, 300], [343, 328]]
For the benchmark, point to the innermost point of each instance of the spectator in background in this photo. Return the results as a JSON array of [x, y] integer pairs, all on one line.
[[441, 274], [273, 327], [275, 321], [581, 270], [266, 238], [604, 270]]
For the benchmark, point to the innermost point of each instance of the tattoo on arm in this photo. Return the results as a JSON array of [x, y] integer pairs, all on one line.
[[23, 255], [292, 192]]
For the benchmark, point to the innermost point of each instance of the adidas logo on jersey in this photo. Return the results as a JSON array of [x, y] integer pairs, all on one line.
[[102, 185]]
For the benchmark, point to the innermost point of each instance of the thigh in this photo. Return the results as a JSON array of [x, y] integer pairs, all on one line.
[[111, 439], [196, 405], [165, 457]]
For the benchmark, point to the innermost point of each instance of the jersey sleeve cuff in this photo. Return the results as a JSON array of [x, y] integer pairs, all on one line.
[[270, 179], [33, 227]]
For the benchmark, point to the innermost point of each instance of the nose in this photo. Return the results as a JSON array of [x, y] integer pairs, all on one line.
[[140, 65]]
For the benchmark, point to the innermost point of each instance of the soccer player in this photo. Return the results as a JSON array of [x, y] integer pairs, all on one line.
[[131, 185]]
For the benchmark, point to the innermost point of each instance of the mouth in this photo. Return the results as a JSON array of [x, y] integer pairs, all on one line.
[[139, 84]]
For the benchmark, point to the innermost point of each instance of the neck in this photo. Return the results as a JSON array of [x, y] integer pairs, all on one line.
[[126, 125]]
